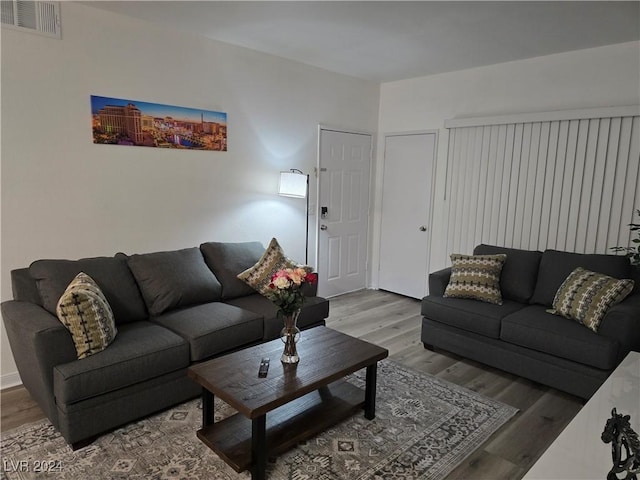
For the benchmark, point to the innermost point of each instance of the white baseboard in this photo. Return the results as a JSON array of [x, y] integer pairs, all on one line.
[[10, 380]]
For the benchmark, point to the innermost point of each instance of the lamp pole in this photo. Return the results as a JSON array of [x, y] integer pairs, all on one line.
[[306, 243]]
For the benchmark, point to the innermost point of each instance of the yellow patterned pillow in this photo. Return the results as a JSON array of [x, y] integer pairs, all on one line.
[[85, 312], [585, 296], [273, 259], [476, 277]]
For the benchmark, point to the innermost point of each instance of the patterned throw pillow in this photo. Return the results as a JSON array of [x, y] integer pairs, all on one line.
[[273, 259], [476, 277], [85, 312], [585, 296]]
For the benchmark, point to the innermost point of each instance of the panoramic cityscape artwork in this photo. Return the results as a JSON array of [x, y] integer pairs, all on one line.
[[117, 121]]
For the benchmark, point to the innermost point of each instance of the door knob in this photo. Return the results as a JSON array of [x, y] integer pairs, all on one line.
[[422, 228], [323, 227]]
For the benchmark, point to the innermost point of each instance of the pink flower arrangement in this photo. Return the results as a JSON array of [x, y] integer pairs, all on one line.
[[285, 288]]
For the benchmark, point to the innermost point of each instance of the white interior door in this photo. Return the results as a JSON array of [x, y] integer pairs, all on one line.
[[345, 164], [406, 213]]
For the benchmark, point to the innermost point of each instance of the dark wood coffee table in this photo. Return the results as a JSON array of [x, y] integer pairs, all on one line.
[[302, 400]]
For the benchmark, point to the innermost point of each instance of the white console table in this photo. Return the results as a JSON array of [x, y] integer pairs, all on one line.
[[578, 452]]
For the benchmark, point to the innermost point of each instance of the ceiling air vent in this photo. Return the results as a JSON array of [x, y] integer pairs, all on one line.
[[36, 17]]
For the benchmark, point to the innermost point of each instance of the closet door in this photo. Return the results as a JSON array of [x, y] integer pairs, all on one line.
[[406, 213]]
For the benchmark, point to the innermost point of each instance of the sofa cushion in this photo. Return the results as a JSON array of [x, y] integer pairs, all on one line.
[[174, 279], [111, 273], [519, 272], [314, 311], [227, 260], [87, 315], [476, 277], [533, 327], [140, 352], [555, 267], [478, 317], [213, 328], [585, 296]]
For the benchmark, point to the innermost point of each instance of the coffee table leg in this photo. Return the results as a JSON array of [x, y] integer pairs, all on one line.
[[259, 447], [370, 392], [207, 408]]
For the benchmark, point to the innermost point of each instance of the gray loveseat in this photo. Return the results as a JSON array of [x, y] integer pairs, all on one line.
[[171, 309], [520, 337]]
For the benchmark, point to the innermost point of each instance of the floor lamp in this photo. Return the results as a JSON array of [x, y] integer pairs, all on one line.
[[295, 183]]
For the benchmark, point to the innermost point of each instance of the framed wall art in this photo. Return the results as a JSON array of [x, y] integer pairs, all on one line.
[[117, 121]]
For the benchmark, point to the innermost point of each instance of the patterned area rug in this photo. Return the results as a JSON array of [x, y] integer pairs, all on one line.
[[424, 428]]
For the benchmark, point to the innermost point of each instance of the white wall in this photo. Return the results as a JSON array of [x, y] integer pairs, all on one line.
[[64, 197], [599, 77]]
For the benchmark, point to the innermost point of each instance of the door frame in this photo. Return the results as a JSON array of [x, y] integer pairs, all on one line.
[[377, 234], [316, 209]]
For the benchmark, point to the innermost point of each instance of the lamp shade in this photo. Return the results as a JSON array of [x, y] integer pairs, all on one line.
[[293, 184]]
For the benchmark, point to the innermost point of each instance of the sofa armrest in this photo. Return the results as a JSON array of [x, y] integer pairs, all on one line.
[[38, 342], [438, 281], [310, 289], [622, 322]]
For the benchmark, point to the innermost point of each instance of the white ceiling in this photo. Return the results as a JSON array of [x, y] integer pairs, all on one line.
[[384, 41]]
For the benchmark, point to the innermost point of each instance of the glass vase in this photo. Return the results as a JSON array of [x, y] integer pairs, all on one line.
[[289, 336]]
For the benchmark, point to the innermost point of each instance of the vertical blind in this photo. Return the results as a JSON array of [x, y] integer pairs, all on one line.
[[558, 182]]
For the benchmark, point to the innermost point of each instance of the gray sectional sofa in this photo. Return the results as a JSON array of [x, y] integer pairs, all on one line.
[[170, 308], [520, 337]]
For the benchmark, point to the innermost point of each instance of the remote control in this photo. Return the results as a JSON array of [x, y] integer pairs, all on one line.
[[264, 368]]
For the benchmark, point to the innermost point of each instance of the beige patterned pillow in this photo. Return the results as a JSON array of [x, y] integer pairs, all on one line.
[[476, 277], [85, 312], [585, 296], [273, 259]]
